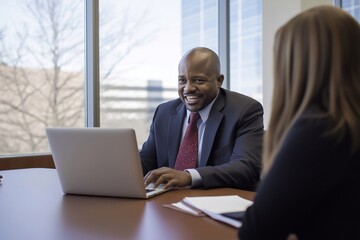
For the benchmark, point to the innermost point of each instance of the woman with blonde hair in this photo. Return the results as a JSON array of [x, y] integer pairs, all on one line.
[[311, 185]]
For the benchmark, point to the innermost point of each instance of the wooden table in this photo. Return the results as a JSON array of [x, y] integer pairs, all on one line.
[[33, 206]]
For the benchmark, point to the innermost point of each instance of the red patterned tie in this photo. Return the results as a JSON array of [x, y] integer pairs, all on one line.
[[188, 151]]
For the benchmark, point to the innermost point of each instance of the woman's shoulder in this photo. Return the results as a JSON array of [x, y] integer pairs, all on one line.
[[314, 126], [313, 119]]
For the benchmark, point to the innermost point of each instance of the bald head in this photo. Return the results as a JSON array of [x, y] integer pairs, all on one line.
[[203, 58]]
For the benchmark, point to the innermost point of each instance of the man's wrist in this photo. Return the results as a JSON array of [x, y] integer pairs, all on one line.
[[196, 180]]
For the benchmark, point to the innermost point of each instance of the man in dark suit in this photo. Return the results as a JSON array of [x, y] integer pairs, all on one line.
[[230, 131]]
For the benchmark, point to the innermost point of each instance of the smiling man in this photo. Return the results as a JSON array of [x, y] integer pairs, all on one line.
[[224, 151]]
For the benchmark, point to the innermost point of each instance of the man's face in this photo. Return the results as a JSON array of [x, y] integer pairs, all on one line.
[[198, 82]]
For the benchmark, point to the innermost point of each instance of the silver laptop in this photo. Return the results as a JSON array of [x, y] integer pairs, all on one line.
[[99, 161]]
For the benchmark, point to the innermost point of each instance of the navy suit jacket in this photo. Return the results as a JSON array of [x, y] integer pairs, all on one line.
[[232, 141]]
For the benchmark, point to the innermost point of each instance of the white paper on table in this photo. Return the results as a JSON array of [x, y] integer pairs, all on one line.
[[219, 204]]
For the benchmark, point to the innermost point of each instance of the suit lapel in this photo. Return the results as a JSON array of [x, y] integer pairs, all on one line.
[[212, 125], [174, 133]]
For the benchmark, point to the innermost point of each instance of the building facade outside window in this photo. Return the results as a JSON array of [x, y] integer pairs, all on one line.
[[246, 47]]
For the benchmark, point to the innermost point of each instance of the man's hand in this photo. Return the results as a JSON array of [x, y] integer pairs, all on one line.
[[169, 177]]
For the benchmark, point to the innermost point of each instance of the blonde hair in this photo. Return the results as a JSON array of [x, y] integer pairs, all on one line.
[[316, 61]]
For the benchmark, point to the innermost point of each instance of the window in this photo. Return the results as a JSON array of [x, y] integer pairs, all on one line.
[[351, 6], [41, 71], [140, 46], [141, 42]]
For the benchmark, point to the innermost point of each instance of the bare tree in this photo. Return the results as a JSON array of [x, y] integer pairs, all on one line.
[[41, 74]]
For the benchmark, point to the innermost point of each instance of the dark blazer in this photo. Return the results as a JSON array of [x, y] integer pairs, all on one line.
[[232, 143], [312, 189]]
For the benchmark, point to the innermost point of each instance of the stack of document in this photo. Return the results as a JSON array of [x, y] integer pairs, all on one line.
[[228, 208]]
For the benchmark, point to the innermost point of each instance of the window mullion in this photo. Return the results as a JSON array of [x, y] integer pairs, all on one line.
[[224, 40], [92, 79]]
